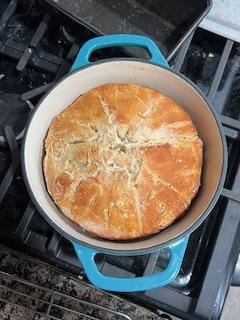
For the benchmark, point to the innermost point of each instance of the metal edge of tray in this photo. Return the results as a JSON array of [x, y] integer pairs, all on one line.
[[223, 19]]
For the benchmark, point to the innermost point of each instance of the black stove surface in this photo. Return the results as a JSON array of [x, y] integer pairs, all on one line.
[[35, 51]]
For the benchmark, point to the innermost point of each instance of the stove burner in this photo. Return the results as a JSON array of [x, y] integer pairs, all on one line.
[[13, 112]]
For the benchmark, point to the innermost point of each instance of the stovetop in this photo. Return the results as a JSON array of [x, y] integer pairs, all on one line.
[[36, 50]]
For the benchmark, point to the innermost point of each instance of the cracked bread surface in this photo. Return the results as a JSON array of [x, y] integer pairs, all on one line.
[[123, 161]]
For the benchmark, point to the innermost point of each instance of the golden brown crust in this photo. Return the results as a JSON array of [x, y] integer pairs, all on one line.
[[123, 161]]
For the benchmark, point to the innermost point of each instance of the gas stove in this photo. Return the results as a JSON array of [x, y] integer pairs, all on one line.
[[36, 49]]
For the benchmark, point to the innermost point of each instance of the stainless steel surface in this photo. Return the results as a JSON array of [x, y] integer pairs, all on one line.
[[223, 19], [236, 276], [231, 310]]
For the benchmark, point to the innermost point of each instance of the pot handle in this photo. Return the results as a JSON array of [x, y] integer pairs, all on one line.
[[86, 255], [117, 40]]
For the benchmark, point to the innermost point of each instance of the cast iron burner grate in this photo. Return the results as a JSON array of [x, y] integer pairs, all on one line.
[[36, 49]]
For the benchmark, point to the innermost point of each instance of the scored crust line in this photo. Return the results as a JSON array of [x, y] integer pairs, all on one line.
[[138, 208], [106, 109], [159, 142], [134, 176], [178, 124], [149, 110], [163, 181]]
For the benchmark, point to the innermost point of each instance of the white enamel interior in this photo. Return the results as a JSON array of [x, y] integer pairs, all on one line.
[[143, 74]]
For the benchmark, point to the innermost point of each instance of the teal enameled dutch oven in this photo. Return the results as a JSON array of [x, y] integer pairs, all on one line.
[[154, 73]]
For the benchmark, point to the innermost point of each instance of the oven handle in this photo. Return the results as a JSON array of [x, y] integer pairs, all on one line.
[[116, 40], [85, 254]]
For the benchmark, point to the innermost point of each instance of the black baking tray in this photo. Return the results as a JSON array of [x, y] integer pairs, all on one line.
[[168, 23]]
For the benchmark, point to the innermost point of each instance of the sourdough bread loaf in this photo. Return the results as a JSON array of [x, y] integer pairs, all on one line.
[[123, 161]]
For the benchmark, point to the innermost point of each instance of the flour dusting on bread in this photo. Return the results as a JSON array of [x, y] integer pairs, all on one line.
[[123, 161]]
